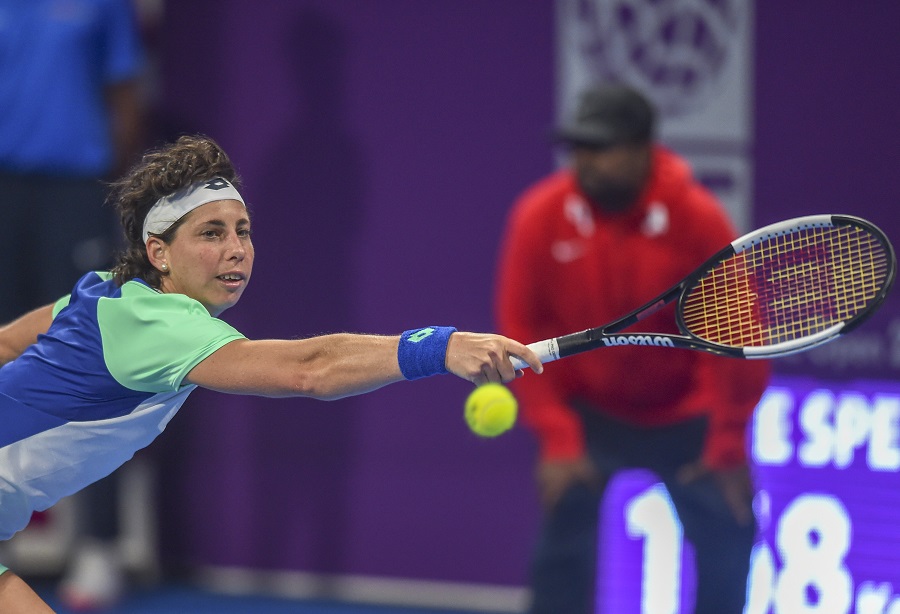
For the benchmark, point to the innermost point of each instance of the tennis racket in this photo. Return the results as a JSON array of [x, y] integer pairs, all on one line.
[[779, 290]]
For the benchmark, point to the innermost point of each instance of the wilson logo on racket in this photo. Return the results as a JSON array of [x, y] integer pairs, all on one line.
[[807, 276], [638, 340]]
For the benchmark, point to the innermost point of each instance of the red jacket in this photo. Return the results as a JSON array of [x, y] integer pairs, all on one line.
[[565, 267]]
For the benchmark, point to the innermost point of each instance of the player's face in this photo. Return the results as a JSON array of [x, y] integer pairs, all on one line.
[[612, 178], [211, 257]]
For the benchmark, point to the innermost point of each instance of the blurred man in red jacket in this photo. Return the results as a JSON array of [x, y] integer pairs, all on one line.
[[586, 245]]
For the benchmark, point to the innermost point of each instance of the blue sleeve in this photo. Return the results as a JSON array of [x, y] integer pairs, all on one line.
[[122, 50]]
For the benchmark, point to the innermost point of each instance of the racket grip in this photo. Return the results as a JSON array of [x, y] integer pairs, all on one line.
[[546, 350]]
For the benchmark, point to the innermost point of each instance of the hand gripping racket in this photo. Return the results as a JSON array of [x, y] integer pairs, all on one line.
[[779, 290]]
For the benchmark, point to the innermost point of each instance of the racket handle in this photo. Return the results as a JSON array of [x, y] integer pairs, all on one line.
[[546, 350]]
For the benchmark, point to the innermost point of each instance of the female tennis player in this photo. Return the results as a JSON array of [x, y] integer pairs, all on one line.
[[90, 380]]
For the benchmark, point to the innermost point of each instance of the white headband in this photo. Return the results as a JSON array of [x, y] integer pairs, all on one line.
[[169, 209]]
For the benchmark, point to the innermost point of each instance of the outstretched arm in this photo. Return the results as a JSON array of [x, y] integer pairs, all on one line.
[[342, 365], [16, 336]]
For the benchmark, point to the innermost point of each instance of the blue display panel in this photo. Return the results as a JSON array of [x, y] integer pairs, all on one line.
[[827, 465]]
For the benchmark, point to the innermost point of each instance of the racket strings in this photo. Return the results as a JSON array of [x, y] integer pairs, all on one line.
[[787, 287]]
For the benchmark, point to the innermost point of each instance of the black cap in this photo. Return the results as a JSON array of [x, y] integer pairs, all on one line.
[[610, 115]]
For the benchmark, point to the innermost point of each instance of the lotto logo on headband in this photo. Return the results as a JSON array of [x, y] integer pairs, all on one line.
[[217, 184]]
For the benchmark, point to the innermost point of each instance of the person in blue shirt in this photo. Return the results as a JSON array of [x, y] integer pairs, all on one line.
[[96, 376], [71, 117]]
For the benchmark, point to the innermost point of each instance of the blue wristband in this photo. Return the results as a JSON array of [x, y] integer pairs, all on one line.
[[423, 351]]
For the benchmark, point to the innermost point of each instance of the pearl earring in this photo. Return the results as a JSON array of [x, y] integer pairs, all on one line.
[[164, 266]]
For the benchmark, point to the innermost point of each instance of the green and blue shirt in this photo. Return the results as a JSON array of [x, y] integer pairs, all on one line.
[[102, 383]]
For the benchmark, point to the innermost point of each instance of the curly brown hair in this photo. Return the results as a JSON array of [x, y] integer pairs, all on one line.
[[161, 172]]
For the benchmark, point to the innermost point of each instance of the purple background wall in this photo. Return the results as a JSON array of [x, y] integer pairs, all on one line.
[[828, 141], [380, 144]]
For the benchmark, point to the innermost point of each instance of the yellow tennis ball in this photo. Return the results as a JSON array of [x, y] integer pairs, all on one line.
[[491, 410]]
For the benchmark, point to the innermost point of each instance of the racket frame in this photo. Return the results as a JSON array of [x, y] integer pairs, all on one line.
[[610, 335]]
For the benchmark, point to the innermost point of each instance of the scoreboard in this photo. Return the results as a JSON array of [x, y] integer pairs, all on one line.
[[826, 461]]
